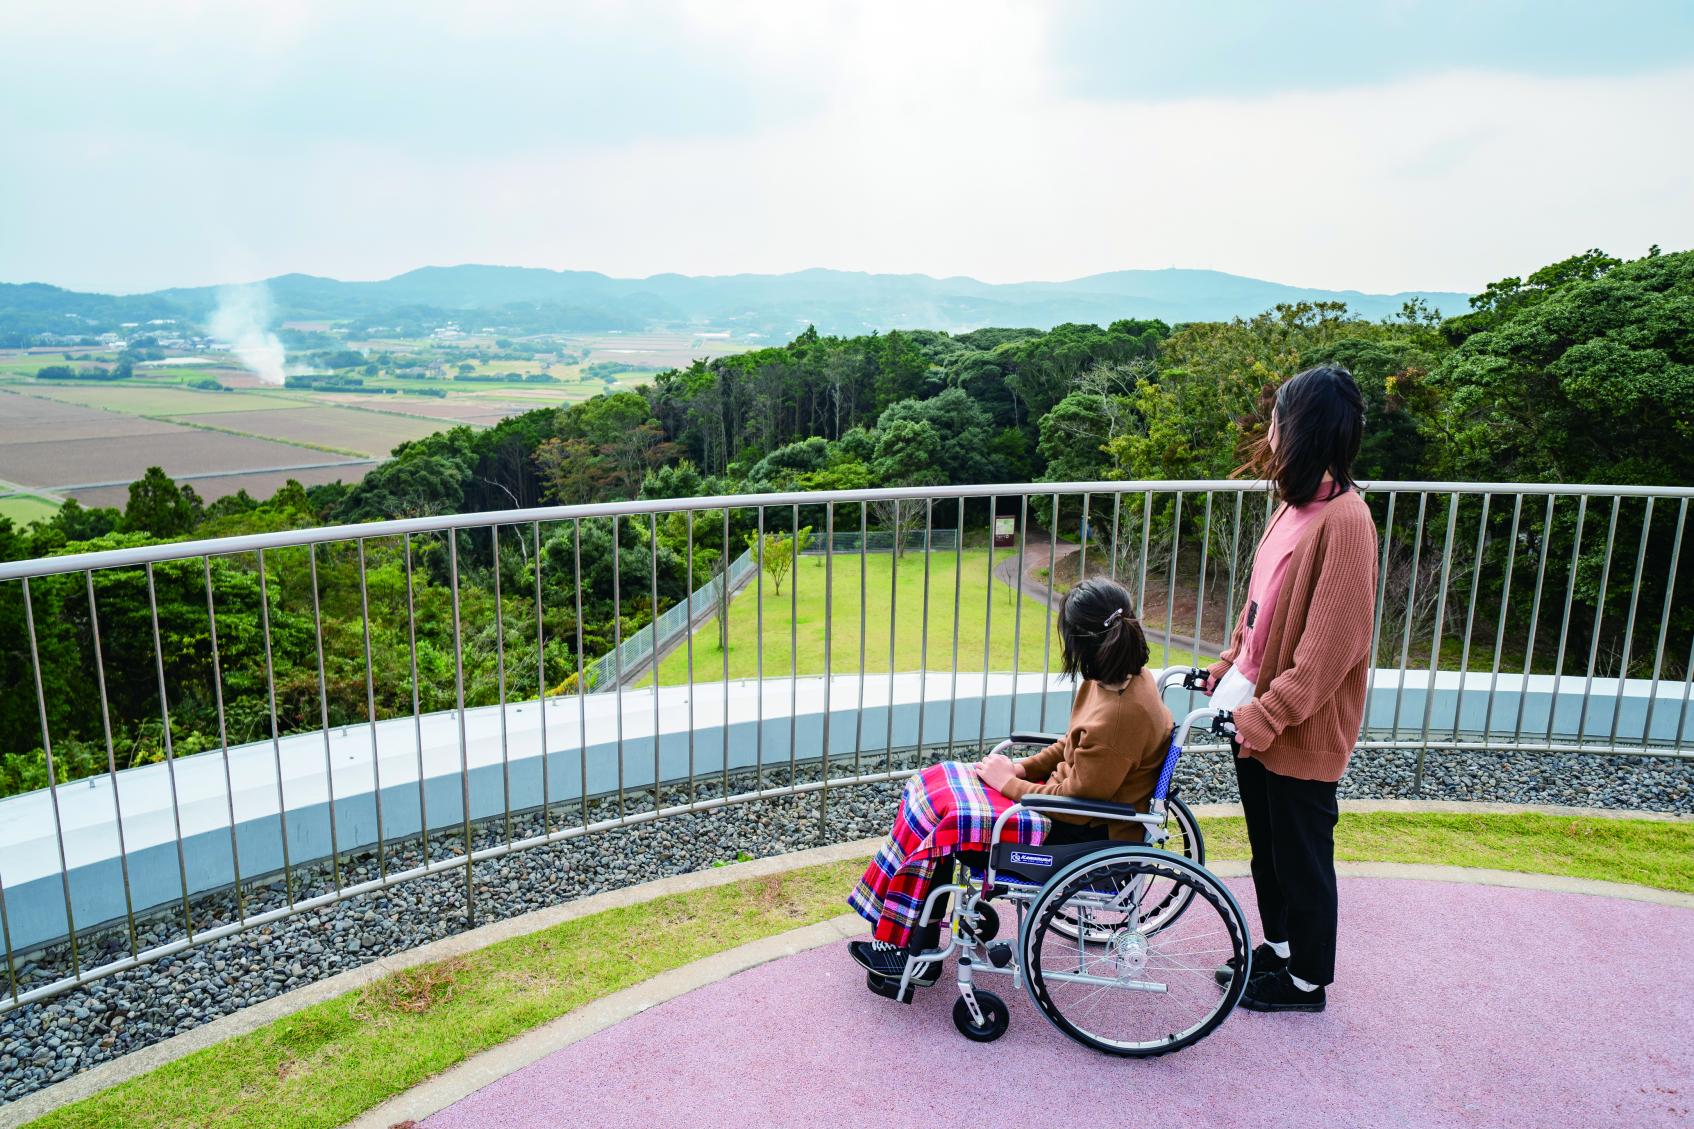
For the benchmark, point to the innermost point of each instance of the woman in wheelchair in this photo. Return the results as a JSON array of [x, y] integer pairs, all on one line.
[[1112, 749]]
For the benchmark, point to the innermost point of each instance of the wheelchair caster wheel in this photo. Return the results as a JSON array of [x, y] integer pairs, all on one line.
[[1000, 955], [995, 1018], [888, 989]]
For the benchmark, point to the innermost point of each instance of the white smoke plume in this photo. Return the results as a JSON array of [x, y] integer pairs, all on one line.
[[241, 321]]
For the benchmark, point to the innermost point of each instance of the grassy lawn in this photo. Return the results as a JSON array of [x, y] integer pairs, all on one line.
[[326, 1064], [882, 573], [1640, 851]]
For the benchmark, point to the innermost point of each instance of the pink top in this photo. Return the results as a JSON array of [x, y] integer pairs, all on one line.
[[1270, 564]]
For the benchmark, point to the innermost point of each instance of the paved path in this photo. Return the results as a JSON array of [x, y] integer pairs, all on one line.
[[1456, 1005], [1035, 587]]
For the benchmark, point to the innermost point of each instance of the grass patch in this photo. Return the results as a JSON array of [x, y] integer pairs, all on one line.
[[1640, 851], [330, 1062], [803, 603], [25, 508]]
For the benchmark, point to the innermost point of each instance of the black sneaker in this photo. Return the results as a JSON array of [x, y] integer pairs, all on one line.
[[880, 958], [1278, 992], [1265, 962]]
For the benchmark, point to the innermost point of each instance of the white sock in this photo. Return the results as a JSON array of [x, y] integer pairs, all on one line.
[[1280, 948], [1301, 984]]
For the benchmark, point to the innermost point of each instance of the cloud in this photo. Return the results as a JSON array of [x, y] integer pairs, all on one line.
[[925, 137]]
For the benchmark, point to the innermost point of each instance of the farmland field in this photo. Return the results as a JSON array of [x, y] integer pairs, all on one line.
[[260, 484], [346, 429], [90, 439], [451, 412], [23, 509], [143, 399], [29, 419], [54, 463]]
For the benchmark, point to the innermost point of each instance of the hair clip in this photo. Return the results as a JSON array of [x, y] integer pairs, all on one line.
[[1117, 614]]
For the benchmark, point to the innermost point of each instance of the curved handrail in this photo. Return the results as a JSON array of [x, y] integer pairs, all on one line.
[[292, 538]]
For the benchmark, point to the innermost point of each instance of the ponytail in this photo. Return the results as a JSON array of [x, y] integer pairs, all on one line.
[[1101, 639]]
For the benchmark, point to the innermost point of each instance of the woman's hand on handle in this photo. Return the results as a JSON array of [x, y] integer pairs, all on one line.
[[1214, 675]]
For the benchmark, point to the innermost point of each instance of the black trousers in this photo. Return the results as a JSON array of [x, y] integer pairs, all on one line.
[[1291, 830]]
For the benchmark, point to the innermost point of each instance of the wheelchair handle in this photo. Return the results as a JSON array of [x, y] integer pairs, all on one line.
[[1191, 678]]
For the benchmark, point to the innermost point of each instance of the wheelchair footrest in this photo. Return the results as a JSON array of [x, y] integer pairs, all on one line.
[[888, 989]]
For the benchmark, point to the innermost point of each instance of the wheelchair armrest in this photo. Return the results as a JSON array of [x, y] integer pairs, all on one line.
[[1034, 738], [1076, 805]]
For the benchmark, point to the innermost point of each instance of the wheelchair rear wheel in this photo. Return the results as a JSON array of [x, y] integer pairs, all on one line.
[[1165, 900], [1117, 985]]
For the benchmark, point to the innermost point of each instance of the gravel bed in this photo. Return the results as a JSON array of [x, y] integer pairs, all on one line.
[[47, 1042]]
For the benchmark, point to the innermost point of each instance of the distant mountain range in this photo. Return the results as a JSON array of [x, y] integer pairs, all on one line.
[[526, 299]]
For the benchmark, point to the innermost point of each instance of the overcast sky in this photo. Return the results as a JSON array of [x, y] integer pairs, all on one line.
[[1415, 145]]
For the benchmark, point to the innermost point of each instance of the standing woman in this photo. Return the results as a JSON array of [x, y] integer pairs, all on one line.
[[1295, 676]]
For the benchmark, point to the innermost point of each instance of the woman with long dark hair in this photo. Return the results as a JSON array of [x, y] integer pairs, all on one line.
[[1295, 675]]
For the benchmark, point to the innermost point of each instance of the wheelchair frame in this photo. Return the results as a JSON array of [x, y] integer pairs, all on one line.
[[973, 920]]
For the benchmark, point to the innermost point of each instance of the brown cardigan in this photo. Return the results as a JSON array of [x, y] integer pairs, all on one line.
[[1304, 718], [1112, 749]]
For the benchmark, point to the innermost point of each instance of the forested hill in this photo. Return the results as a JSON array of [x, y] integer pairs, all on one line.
[[1581, 372], [777, 305]]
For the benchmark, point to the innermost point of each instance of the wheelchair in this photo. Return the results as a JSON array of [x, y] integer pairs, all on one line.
[[1117, 944]]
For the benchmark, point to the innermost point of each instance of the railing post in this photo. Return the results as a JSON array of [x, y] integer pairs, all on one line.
[[112, 765], [170, 755], [276, 728], [581, 667], [653, 643], [53, 784], [500, 681], [370, 707], [541, 692], [323, 713], [828, 671], [223, 742], [464, 744]]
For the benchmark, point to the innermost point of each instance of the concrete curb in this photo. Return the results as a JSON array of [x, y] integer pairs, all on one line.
[[138, 1062]]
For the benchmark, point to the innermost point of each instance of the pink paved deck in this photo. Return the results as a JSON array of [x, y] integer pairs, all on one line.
[[1456, 1005]]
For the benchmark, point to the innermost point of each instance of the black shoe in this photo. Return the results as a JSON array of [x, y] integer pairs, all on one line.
[[1265, 962], [880, 958], [1278, 992]]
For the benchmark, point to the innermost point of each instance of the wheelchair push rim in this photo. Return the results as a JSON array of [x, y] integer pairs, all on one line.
[[1120, 988], [1166, 900]]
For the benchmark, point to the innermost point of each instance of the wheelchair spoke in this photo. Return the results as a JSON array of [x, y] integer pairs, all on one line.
[[1128, 981]]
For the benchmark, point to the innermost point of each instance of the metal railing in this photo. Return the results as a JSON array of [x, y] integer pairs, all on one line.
[[609, 670], [311, 715]]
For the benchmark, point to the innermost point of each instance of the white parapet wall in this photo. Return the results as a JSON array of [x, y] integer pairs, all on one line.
[[586, 740]]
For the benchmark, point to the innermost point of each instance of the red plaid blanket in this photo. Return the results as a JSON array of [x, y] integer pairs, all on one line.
[[945, 809]]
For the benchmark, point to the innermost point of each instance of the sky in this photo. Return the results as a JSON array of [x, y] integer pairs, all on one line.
[[1374, 146]]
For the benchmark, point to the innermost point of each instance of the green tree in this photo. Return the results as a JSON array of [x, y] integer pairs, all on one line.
[[1588, 376], [962, 430], [780, 550], [160, 507]]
